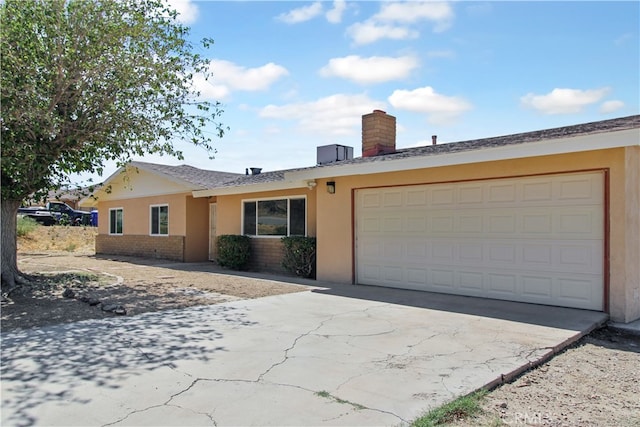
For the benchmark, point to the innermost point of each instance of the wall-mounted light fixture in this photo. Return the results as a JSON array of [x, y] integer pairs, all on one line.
[[331, 187]]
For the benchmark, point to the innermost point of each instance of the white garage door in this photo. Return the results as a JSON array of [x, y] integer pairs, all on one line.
[[535, 239]]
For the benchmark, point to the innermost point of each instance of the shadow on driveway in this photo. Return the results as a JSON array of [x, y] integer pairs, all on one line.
[[54, 364]]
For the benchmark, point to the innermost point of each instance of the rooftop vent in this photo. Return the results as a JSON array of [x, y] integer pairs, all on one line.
[[333, 153], [254, 171]]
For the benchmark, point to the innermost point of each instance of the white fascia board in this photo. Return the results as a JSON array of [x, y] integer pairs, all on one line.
[[592, 142], [252, 188]]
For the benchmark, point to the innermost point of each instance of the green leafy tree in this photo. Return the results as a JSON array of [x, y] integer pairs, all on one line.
[[85, 82]]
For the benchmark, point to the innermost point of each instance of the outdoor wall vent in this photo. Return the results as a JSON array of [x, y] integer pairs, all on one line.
[[333, 153]]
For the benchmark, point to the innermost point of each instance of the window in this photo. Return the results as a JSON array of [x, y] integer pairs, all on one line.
[[160, 220], [275, 217], [115, 221]]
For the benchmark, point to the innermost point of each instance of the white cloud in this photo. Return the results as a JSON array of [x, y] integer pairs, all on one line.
[[301, 14], [226, 77], [369, 32], [247, 79], [375, 69], [440, 108], [187, 10], [611, 106], [394, 21], [335, 15], [410, 12], [563, 101], [338, 114], [208, 90]]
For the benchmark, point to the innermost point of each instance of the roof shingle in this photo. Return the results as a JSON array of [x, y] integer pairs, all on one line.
[[199, 178]]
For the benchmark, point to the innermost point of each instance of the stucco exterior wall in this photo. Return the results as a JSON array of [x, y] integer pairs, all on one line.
[[136, 214], [266, 252], [136, 238], [335, 259], [230, 208], [632, 234]]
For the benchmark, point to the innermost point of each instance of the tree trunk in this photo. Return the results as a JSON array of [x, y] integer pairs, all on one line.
[[8, 223]]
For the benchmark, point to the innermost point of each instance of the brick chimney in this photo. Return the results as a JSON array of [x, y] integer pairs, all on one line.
[[378, 134]]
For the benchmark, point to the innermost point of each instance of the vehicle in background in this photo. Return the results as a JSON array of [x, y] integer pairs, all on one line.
[[57, 213]]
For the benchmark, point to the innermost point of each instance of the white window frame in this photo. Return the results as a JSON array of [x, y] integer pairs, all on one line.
[[151, 207], [263, 199], [122, 221]]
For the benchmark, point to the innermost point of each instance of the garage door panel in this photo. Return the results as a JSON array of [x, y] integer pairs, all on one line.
[[471, 282], [579, 188], [502, 254], [536, 223], [502, 285], [416, 198], [441, 223], [581, 222], [442, 279], [392, 199], [471, 252], [537, 190], [537, 287], [501, 193], [470, 195], [534, 239], [417, 277]]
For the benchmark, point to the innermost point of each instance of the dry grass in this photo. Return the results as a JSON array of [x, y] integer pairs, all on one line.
[[59, 238]]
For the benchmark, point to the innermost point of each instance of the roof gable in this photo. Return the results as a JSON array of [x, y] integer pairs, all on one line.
[[141, 179]]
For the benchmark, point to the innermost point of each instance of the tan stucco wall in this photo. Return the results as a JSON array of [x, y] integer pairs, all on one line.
[[136, 213], [230, 209], [266, 251], [188, 219], [631, 234], [334, 224]]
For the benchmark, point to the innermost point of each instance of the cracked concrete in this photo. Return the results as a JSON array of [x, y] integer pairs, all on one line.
[[342, 355]]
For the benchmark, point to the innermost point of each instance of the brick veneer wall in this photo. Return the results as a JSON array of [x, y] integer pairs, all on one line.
[[163, 247], [266, 255]]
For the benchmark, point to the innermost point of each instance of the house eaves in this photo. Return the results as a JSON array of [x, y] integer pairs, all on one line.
[[187, 176], [382, 164], [267, 181], [614, 133]]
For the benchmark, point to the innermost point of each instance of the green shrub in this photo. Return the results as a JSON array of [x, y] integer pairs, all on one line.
[[25, 225], [300, 255], [233, 251]]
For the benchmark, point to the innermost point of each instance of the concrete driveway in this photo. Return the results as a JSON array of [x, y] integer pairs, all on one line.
[[345, 355]]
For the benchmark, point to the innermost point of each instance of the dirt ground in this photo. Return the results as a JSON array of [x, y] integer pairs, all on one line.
[[596, 382], [71, 287], [593, 383]]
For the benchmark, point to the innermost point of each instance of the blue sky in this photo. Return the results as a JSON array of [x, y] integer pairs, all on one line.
[[294, 75]]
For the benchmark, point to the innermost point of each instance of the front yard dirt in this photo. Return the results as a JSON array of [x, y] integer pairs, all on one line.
[[68, 288]]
